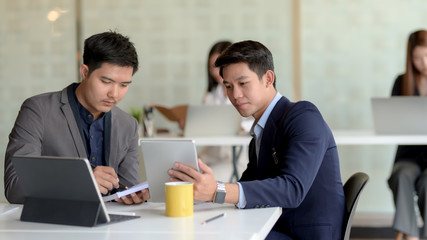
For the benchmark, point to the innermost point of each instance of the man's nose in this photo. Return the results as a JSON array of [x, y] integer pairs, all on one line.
[[113, 91]]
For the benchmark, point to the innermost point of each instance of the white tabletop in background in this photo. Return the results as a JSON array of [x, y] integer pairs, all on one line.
[[342, 137], [366, 137], [153, 224], [211, 140]]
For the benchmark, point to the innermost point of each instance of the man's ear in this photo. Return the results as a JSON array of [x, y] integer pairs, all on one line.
[[269, 78], [84, 71]]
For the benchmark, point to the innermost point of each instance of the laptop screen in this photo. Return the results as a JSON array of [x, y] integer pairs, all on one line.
[[400, 115], [212, 120], [67, 181]]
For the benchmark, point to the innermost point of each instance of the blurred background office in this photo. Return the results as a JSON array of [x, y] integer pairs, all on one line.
[[336, 53]]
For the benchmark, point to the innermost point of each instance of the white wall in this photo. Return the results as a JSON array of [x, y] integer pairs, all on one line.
[[352, 51]]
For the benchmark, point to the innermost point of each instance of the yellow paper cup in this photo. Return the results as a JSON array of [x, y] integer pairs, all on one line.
[[179, 199]]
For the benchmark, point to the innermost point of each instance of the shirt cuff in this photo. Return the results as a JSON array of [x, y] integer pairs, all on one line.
[[242, 197]]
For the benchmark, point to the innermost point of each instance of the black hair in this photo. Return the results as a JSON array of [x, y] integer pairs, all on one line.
[[218, 47], [255, 54], [109, 47]]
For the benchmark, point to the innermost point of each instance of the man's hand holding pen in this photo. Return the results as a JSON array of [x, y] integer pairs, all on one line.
[[108, 181], [106, 178]]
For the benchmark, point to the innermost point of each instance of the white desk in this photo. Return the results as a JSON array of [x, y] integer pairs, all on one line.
[[212, 141], [153, 224], [361, 137], [342, 137], [376, 160]]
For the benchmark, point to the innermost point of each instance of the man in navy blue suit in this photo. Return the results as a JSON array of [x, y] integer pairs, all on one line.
[[293, 158]]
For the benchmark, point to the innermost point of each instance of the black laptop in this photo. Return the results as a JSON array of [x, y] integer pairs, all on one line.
[[61, 190]]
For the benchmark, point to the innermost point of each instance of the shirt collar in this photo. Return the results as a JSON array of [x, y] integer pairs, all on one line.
[[258, 126]]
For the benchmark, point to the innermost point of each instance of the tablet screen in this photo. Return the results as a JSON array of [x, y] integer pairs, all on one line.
[[159, 156]]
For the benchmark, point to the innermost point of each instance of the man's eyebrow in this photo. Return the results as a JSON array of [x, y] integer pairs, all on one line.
[[236, 79], [241, 77], [112, 80]]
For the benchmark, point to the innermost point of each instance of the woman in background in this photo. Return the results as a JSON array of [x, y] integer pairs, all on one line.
[[215, 93], [216, 157], [409, 174]]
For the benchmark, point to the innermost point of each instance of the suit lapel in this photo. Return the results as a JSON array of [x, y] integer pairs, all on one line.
[[268, 135], [265, 149], [107, 137], [72, 123]]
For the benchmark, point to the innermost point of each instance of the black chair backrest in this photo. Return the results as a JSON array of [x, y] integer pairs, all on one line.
[[352, 189]]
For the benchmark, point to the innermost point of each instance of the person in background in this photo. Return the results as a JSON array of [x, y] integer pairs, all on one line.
[[218, 158], [409, 174], [82, 120], [293, 158], [215, 93]]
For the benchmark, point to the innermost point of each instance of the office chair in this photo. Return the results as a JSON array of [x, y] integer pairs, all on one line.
[[352, 189]]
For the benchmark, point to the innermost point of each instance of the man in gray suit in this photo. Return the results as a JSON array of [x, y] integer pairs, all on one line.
[[83, 121]]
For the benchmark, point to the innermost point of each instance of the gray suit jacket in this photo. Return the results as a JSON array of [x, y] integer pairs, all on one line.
[[46, 126]]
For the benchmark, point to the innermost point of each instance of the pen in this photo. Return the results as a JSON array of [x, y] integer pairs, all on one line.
[[122, 213], [211, 219], [121, 188], [276, 161]]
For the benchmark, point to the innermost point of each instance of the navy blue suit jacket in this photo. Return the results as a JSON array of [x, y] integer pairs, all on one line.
[[304, 177]]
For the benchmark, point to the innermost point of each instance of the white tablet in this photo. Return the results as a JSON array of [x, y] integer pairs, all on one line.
[[159, 156]]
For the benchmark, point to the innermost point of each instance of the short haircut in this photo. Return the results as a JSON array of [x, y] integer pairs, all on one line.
[[256, 55], [109, 47]]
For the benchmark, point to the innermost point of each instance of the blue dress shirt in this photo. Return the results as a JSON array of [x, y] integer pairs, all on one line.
[[94, 135]]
